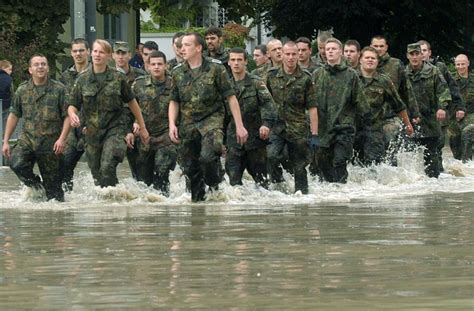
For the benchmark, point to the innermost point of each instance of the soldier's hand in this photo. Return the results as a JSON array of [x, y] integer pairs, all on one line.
[[74, 119], [130, 140], [174, 134], [59, 146], [144, 136], [440, 115], [6, 149], [242, 135], [409, 130], [314, 143], [264, 132], [460, 115], [136, 128]]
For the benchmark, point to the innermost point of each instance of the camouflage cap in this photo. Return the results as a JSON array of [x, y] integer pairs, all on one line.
[[412, 47], [121, 46]]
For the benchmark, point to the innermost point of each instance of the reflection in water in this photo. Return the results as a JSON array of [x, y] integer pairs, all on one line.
[[390, 237]]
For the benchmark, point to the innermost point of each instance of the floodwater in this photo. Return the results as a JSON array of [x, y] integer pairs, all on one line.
[[391, 238]]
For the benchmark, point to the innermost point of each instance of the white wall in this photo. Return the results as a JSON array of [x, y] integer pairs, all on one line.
[[163, 40]]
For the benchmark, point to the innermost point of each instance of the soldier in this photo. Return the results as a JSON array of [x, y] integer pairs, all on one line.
[[137, 59], [320, 58], [304, 54], [121, 57], [215, 45], [456, 103], [74, 143], [176, 43], [101, 93], [199, 84], [148, 47], [338, 107], [352, 53], [380, 94], [260, 55], [293, 93], [41, 102], [465, 81], [394, 68], [153, 94], [432, 95], [274, 50], [258, 115]]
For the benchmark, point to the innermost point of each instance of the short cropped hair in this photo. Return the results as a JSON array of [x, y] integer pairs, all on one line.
[[151, 45], [304, 40], [368, 49], [334, 40], [262, 48], [199, 40], [238, 50], [36, 55], [80, 41], [156, 54], [353, 43], [428, 45], [213, 31]]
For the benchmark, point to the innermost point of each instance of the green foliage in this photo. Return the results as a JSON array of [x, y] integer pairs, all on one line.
[[119, 6], [28, 27], [254, 9], [234, 35]]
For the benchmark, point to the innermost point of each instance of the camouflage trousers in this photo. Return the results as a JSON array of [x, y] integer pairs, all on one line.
[[50, 166], [72, 154], [333, 160], [255, 161], [298, 156], [155, 162], [369, 146], [103, 159], [431, 155], [393, 140], [200, 159], [461, 138]]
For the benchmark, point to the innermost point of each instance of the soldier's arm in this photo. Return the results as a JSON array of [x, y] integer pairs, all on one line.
[[137, 113], [266, 104], [408, 96], [240, 130], [12, 121], [313, 119], [173, 112]]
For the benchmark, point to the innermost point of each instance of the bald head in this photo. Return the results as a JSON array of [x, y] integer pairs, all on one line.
[[462, 65], [274, 50]]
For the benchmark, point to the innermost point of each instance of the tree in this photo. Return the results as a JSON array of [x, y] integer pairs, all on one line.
[[28, 27]]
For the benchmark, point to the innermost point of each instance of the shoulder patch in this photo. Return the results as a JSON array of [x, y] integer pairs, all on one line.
[[215, 61], [306, 71]]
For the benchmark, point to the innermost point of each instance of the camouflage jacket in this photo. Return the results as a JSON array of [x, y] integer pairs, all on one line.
[[262, 71], [132, 73], [102, 103], [153, 98], [340, 101], [381, 95], [431, 93], [43, 111], [466, 88], [69, 76], [312, 66], [394, 69], [172, 63], [318, 60], [221, 54], [457, 102], [293, 95], [200, 96], [257, 109]]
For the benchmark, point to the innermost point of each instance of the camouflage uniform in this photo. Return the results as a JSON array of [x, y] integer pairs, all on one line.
[[431, 93], [466, 86], [312, 66], [293, 95], [221, 54], [257, 109], [159, 158], [199, 93], [106, 120], [340, 101], [262, 71], [74, 143], [381, 95], [172, 63], [395, 70], [456, 105], [132, 154], [43, 110]]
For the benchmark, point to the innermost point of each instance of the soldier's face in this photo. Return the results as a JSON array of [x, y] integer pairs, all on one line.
[[190, 48], [275, 52], [352, 55], [38, 67], [304, 52], [369, 61], [462, 65], [322, 49], [213, 42], [157, 68], [416, 59], [425, 52], [99, 56], [290, 56], [121, 58], [79, 53], [237, 62], [380, 45], [177, 47], [259, 57], [333, 53], [146, 54]]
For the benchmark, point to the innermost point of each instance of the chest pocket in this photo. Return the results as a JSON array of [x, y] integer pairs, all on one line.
[[110, 98], [50, 111], [249, 104], [375, 97]]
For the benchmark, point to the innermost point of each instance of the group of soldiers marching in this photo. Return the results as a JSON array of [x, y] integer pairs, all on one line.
[[344, 104]]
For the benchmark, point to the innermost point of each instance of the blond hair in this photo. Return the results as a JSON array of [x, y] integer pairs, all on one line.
[[104, 45], [5, 64]]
